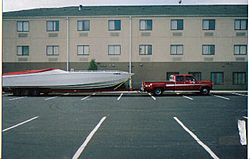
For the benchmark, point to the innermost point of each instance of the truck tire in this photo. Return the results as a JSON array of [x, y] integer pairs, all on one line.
[[158, 91], [205, 91]]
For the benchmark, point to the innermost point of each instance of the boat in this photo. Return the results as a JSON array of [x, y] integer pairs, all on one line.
[[54, 78]]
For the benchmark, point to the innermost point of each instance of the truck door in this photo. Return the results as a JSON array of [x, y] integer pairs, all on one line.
[[191, 83], [179, 83]]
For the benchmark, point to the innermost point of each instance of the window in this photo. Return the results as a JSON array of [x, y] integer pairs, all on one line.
[[52, 25], [240, 24], [197, 75], [239, 78], [217, 78], [190, 79], [179, 78], [22, 26], [177, 24], [83, 50], [208, 49], [114, 25], [171, 73], [208, 24], [52, 50], [176, 50], [146, 25], [23, 50], [240, 49], [114, 50], [83, 25], [145, 50]]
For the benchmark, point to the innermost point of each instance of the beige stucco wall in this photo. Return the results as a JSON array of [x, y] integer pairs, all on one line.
[[99, 37]]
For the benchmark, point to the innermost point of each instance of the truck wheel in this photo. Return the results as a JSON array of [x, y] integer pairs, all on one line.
[[157, 91], [205, 91]]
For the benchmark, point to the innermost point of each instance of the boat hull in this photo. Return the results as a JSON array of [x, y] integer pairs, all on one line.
[[59, 79]]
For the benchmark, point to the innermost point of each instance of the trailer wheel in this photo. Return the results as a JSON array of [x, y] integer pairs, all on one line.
[[35, 92], [25, 92], [205, 91], [158, 91], [16, 92]]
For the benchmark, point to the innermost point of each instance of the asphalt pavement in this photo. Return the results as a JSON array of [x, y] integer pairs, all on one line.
[[123, 126]]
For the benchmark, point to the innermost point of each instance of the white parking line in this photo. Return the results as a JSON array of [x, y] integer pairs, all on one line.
[[82, 147], [120, 96], [51, 98], [26, 121], [221, 97], [85, 97], [188, 97], [88, 96], [152, 96], [196, 139], [238, 94], [17, 98]]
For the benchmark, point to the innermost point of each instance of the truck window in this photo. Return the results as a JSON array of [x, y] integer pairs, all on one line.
[[190, 79], [179, 78]]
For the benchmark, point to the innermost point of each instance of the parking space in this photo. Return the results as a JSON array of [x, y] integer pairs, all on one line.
[[124, 125]]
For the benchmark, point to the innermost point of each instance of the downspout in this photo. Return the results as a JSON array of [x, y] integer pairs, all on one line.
[[130, 52], [67, 59]]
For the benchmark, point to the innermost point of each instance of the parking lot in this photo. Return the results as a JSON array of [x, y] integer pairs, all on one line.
[[124, 125]]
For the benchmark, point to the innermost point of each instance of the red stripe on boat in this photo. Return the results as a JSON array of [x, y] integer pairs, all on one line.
[[31, 71]]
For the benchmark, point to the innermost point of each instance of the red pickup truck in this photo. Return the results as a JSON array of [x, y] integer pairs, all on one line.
[[178, 83]]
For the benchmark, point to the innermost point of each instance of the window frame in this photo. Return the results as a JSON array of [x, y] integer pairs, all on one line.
[[83, 24], [168, 74], [55, 25], [115, 29], [215, 82], [197, 75], [210, 27], [146, 49], [240, 20], [83, 50], [53, 50], [146, 25], [23, 50], [189, 78], [176, 50], [240, 47], [109, 48], [209, 49], [239, 83], [178, 27], [179, 78], [22, 27]]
